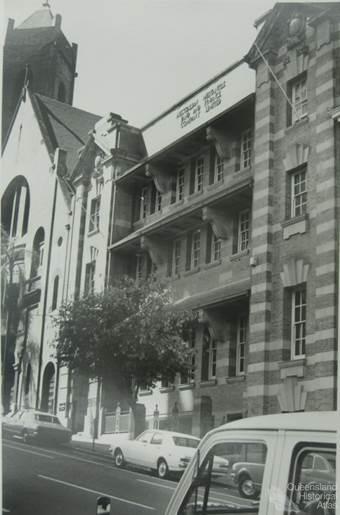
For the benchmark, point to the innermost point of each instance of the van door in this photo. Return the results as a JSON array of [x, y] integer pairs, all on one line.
[[232, 477], [309, 482]]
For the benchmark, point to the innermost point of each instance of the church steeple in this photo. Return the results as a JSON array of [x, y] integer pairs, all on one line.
[[39, 46]]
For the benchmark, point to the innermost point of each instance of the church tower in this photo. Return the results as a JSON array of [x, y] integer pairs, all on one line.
[[37, 51]]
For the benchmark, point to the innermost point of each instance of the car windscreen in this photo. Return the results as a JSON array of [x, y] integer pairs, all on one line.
[[47, 418], [182, 441], [218, 488]]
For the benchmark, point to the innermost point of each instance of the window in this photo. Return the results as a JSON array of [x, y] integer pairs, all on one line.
[[216, 248], [155, 199], [144, 266], [196, 249], [144, 203], [243, 230], [209, 355], [298, 193], [177, 247], [55, 292], [15, 208], [298, 324], [193, 250], [178, 186], [94, 214], [38, 252], [246, 148], [297, 90], [312, 483], [28, 379], [219, 169], [199, 174], [157, 439], [212, 490], [158, 201], [190, 376], [144, 437], [89, 277], [241, 344], [182, 441], [214, 245]]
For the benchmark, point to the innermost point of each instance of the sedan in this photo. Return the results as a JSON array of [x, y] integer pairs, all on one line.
[[31, 425], [157, 450], [315, 469]]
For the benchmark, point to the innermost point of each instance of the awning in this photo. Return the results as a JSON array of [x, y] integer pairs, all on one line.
[[223, 294]]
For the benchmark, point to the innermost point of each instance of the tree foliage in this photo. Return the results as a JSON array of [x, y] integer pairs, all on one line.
[[131, 333]]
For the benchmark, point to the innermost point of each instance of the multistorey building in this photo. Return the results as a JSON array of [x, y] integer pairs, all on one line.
[[241, 214], [233, 196]]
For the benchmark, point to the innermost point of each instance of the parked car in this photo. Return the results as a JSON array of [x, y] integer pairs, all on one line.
[[294, 456], [248, 476], [157, 450], [37, 426]]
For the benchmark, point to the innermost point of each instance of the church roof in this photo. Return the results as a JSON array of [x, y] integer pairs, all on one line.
[[41, 18], [63, 126]]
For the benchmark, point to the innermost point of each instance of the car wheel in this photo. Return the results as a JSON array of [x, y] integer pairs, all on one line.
[[162, 469], [119, 458], [247, 488]]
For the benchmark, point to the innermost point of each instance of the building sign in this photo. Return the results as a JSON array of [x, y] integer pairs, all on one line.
[[209, 102]]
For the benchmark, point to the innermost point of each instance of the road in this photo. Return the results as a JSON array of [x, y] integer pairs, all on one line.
[[40, 481]]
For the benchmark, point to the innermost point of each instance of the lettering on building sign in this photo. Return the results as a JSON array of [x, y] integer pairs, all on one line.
[[62, 406], [210, 100]]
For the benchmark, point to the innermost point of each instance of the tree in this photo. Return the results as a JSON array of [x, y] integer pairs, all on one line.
[[12, 284], [130, 332]]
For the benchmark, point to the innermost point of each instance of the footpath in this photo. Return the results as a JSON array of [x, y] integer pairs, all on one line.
[[97, 448]]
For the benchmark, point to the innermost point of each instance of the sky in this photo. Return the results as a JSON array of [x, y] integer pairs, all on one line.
[[139, 57]]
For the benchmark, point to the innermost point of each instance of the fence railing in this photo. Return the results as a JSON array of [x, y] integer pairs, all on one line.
[[115, 424]]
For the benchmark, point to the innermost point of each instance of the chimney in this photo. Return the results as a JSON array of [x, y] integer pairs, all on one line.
[[10, 27], [57, 22]]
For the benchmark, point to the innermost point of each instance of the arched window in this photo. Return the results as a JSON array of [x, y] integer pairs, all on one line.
[[47, 397], [61, 92], [55, 292], [15, 207], [38, 252]]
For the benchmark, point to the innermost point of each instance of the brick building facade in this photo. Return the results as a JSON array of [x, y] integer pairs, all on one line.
[[233, 195]]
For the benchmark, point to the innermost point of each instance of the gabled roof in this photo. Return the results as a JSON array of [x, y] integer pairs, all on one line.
[[63, 126], [41, 18], [271, 36]]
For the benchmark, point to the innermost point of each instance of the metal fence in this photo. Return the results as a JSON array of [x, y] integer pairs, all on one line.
[[114, 424]]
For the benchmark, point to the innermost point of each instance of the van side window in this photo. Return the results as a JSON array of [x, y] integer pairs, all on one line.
[[229, 480], [311, 488]]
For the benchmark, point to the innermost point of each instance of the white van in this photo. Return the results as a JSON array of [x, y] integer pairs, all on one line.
[[276, 465]]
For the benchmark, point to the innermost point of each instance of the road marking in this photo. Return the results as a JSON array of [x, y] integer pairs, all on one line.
[[96, 492], [72, 456], [28, 451], [6, 511], [156, 484], [56, 453]]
